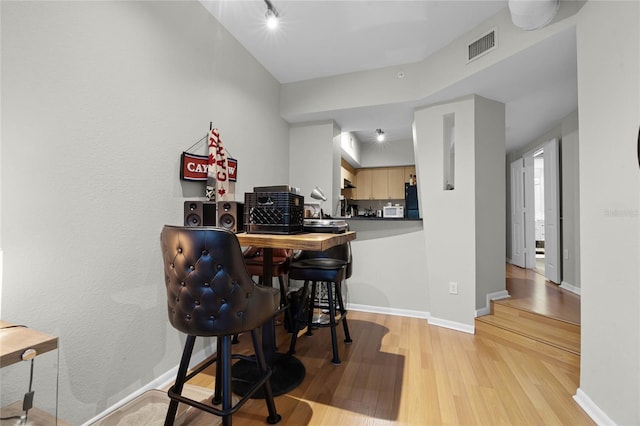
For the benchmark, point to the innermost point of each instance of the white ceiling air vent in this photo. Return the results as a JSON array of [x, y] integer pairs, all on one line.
[[483, 45]]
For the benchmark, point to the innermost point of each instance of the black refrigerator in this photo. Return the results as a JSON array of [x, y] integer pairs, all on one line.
[[411, 201]]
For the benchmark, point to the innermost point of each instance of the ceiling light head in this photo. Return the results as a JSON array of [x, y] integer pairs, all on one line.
[[379, 135], [531, 15], [272, 15]]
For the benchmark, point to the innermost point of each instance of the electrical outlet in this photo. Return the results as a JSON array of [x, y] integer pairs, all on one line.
[[566, 254], [453, 287]]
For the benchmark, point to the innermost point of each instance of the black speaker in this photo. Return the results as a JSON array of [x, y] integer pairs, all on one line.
[[199, 213], [231, 215]]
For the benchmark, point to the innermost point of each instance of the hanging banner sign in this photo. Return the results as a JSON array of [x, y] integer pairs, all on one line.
[[232, 167], [194, 167]]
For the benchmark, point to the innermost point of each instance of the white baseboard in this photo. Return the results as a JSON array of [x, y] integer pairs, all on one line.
[[570, 287], [502, 294], [159, 382], [592, 410], [453, 325], [388, 311], [458, 326]]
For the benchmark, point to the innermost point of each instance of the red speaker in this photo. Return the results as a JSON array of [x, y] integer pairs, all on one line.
[[231, 215], [199, 213]]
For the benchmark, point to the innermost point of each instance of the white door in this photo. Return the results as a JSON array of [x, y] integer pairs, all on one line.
[[552, 257], [517, 214], [529, 212]]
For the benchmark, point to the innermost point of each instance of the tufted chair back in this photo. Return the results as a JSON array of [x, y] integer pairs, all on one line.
[[209, 291]]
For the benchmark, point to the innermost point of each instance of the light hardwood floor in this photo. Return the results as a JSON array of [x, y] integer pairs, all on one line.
[[531, 291], [403, 371]]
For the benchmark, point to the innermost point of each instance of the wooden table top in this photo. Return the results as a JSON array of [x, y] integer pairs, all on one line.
[[315, 241], [14, 340]]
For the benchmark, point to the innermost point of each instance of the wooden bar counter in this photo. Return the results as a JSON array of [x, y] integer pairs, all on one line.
[[307, 241]]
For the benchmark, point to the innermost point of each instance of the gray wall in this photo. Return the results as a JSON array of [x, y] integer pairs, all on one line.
[[608, 108], [490, 196], [389, 271], [99, 99], [314, 160], [387, 154], [570, 181]]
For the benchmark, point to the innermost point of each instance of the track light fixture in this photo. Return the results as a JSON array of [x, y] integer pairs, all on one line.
[[272, 15], [379, 135]]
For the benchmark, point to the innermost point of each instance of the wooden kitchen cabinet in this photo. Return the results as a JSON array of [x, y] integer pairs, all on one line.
[[348, 174], [395, 183], [382, 183], [363, 185]]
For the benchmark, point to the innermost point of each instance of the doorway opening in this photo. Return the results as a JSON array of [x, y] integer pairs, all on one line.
[[538, 200], [535, 208]]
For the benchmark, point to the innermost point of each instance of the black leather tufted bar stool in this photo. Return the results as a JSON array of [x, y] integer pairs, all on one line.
[[329, 268], [210, 293]]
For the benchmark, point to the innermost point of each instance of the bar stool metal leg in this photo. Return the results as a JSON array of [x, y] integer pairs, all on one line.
[[274, 417], [332, 322], [343, 312], [224, 359], [217, 395], [180, 378], [312, 299]]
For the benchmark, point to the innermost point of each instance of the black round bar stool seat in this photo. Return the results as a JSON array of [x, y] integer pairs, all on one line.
[[318, 269]]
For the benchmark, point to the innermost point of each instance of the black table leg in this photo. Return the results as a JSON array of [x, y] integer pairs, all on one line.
[[268, 330], [287, 371]]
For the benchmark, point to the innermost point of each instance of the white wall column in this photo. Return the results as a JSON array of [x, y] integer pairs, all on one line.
[[490, 199], [314, 160], [464, 227]]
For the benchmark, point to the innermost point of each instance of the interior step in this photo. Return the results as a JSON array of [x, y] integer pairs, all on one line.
[[548, 336]]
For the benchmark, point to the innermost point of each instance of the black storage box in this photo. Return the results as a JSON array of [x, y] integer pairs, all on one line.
[[294, 298], [273, 213]]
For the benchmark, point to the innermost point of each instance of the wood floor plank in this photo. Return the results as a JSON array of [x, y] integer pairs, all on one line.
[[531, 291], [403, 371]]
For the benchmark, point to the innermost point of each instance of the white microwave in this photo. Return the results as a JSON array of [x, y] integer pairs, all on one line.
[[392, 211]]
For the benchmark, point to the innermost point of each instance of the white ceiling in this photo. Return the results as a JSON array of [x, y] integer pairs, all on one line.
[[319, 38]]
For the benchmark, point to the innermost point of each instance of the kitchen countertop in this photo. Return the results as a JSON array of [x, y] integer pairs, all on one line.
[[374, 228]]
